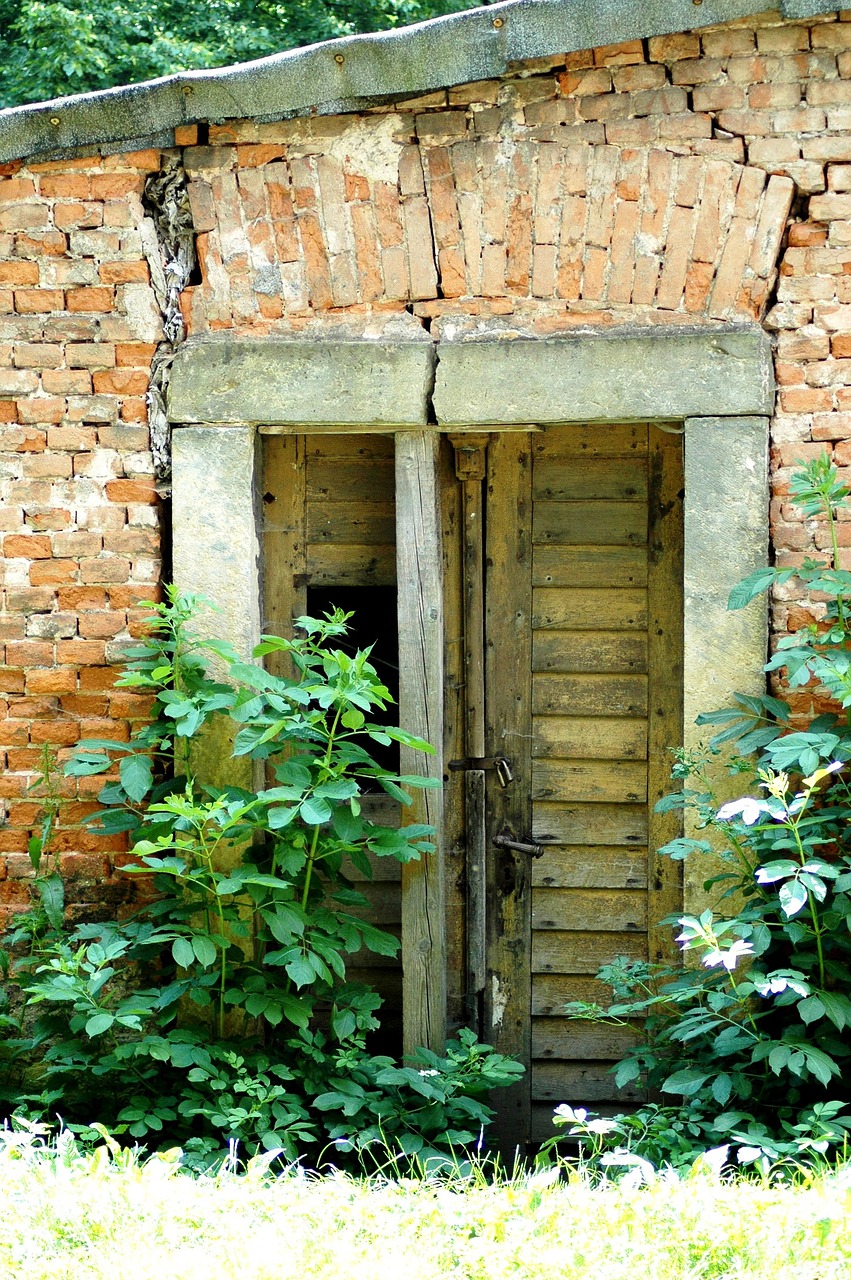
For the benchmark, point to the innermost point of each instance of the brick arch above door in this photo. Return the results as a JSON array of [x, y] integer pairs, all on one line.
[[363, 217]]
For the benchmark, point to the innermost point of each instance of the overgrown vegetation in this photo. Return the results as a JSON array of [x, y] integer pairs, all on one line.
[[749, 1050], [114, 1217], [220, 1012], [49, 48]]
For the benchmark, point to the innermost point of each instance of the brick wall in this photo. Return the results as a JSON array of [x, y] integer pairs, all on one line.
[[696, 178], [79, 519]]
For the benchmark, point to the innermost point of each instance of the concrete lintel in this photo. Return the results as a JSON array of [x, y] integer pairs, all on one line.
[[311, 382], [216, 554], [726, 538], [613, 377]]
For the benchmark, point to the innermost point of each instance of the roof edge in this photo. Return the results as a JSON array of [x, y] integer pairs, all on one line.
[[354, 72]]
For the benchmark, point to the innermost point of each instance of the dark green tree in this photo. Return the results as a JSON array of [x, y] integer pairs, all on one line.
[[49, 48]]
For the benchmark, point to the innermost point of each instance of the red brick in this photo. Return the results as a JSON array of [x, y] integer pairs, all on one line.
[[124, 272], [52, 571], [67, 381], [66, 186], [40, 409], [116, 186], [35, 301], [134, 354], [129, 382], [98, 298], [29, 653], [73, 215], [83, 653], [18, 273], [29, 547]]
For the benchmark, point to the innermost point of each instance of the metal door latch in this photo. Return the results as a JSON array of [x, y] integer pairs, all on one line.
[[528, 847], [490, 764]]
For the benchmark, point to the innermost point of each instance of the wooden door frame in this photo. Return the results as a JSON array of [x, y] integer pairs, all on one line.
[[718, 383]]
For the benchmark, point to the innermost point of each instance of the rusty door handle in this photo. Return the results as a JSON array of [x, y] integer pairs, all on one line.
[[528, 847]]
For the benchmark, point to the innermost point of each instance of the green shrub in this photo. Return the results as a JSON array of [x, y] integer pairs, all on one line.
[[751, 1048], [220, 1012]]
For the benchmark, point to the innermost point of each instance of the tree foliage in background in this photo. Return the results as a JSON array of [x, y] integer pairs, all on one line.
[[50, 49]]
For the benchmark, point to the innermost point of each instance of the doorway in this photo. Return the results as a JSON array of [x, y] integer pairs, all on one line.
[[562, 607]]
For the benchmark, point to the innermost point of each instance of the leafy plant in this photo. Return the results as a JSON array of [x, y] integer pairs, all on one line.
[[752, 1039], [221, 1012]]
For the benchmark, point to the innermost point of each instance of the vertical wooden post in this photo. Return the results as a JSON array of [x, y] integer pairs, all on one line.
[[508, 683], [284, 539], [665, 668], [470, 469], [419, 564]]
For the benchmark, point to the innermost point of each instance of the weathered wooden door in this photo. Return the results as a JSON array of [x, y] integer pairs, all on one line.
[[572, 585]]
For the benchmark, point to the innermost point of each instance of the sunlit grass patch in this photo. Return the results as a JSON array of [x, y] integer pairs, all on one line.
[[70, 1216]]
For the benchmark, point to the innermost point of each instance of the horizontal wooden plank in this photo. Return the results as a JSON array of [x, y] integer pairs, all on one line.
[[579, 867], [591, 440], [350, 565], [574, 1038], [348, 446], [568, 952], [552, 991], [589, 823], [589, 609], [580, 566], [589, 523], [557, 1082], [384, 870], [329, 479], [590, 780], [592, 651], [589, 739], [589, 695], [541, 1118], [608, 910], [385, 903], [365, 959], [341, 522], [590, 479]]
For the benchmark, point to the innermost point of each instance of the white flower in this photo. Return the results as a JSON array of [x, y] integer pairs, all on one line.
[[729, 958], [834, 767], [748, 808], [566, 1113]]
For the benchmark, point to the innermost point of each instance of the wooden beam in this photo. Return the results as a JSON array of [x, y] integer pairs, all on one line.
[[284, 541], [508, 680], [665, 691], [419, 564]]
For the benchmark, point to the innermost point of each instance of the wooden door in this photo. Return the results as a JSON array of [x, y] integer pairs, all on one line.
[[580, 690]]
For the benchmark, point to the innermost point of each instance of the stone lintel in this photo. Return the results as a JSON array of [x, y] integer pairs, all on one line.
[[612, 377], [309, 382]]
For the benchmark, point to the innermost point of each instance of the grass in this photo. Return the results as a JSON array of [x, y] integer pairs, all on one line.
[[69, 1216]]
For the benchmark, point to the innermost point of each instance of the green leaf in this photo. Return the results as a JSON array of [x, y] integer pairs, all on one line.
[[687, 1082], [99, 1023], [136, 775], [204, 949], [34, 849], [722, 1087], [183, 952], [315, 810], [347, 825], [51, 890]]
